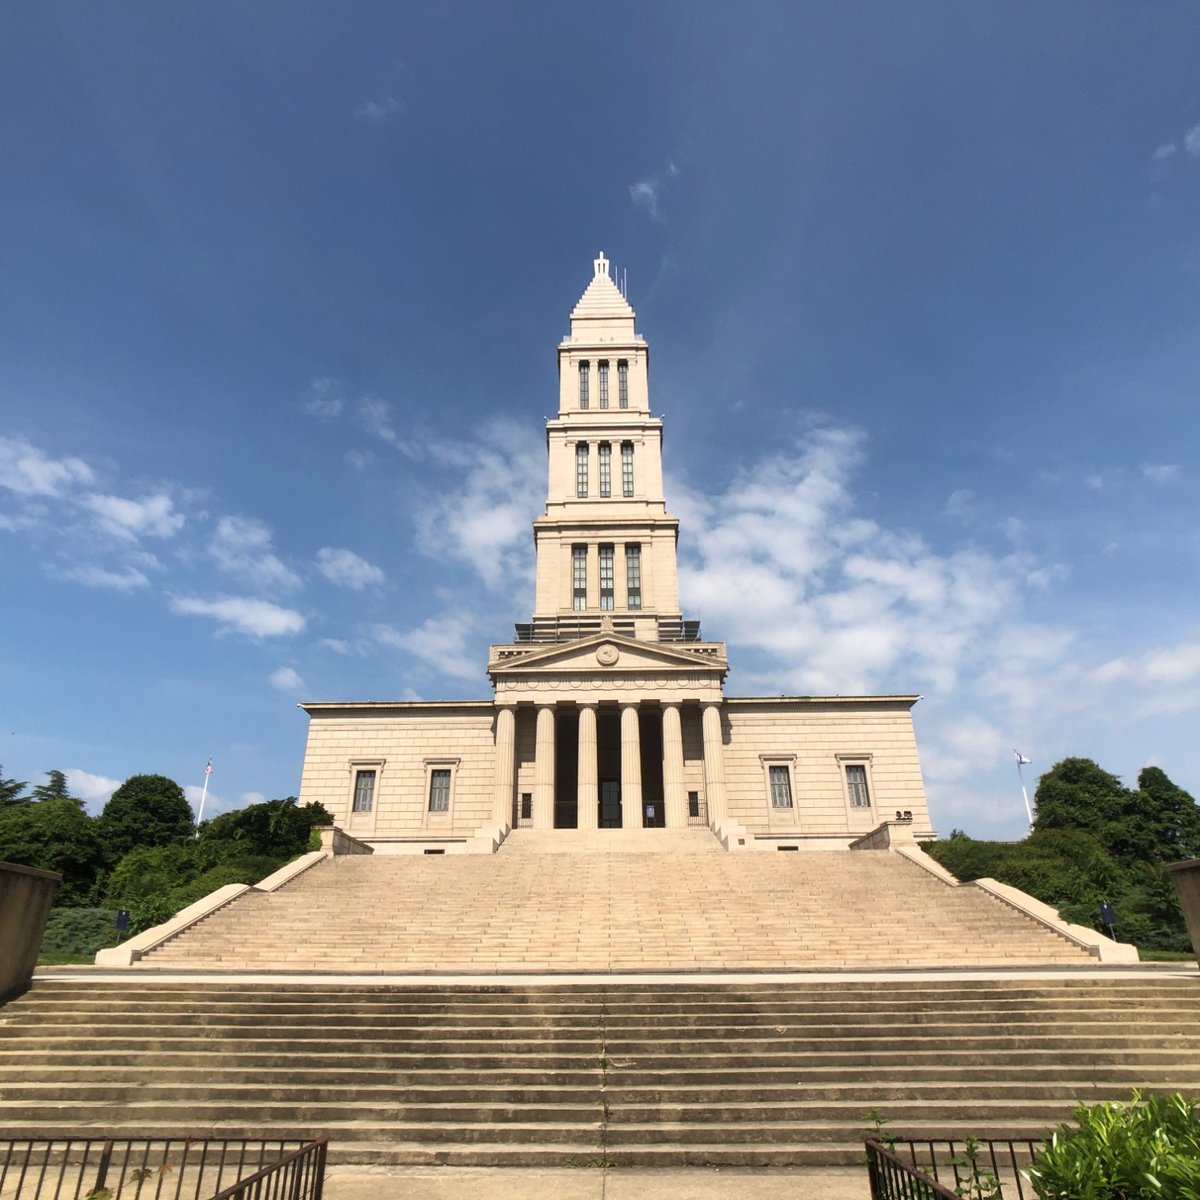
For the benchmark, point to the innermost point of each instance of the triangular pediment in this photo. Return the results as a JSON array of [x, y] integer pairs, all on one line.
[[610, 654]]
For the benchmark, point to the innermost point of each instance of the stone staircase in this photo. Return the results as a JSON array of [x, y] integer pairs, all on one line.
[[623, 1074], [594, 902]]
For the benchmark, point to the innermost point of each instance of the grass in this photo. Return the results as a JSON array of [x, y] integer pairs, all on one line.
[[55, 958], [1166, 955]]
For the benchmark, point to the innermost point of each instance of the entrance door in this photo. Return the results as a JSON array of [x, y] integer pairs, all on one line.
[[610, 805]]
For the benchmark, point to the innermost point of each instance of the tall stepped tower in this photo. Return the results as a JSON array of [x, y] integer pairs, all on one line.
[[609, 711]]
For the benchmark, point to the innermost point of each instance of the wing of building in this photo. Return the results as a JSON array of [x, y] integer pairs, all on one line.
[[609, 708]]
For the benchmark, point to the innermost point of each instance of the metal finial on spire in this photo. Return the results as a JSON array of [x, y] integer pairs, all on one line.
[[601, 264]]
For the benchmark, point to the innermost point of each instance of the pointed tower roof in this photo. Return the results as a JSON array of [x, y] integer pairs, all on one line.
[[602, 301]]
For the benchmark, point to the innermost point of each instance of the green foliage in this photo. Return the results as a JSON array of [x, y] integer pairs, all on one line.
[[56, 835], [1144, 1150], [12, 791], [79, 931], [274, 827], [976, 1181], [1095, 840], [55, 789], [146, 810]]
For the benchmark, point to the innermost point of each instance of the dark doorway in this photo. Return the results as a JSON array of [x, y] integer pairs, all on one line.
[[566, 768], [608, 761], [654, 814]]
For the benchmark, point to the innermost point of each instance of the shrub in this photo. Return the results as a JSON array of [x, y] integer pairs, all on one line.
[[80, 931]]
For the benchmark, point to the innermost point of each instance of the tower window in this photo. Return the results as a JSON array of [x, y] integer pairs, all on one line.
[[603, 367], [605, 452], [584, 376], [606, 577], [439, 789], [581, 469], [622, 383], [627, 468], [364, 791], [633, 574], [781, 787], [856, 785], [579, 578]]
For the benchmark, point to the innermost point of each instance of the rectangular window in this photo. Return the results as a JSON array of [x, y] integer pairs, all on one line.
[[602, 366], [364, 791], [581, 469], [526, 806], [439, 789], [606, 577], [856, 785], [605, 452], [781, 787], [633, 574], [623, 383], [693, 804], [584, 376], [579, 578], [627, 468]]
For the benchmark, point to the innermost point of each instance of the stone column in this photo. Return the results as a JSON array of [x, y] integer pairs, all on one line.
[[631, 768], [674, 794], [506, 762], [714, 764], [543, 769], [588, 790]]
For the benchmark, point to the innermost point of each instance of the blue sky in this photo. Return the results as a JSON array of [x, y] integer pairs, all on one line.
[[282, 285]]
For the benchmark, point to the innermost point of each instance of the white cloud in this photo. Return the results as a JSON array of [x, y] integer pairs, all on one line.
[[378, 110], [92, 576], [322, 400], [646, 193], [483, 520], [94, 790], [243, 614], [242, 546], [337, 645], [445, 642], [286, 680], [24, 469], [375, 416], [1165, 151], [251, 798], [1160, 472], [346, 569], [127, 520], [357, 459], [1191, 141]]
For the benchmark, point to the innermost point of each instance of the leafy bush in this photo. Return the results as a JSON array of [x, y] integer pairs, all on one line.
[[80, 931], [1143, 1150]]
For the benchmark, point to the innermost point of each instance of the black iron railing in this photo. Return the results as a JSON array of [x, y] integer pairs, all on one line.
[[196, 1168], [929, 1169]]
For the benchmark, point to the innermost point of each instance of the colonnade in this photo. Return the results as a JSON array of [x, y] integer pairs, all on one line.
[[587, 788]]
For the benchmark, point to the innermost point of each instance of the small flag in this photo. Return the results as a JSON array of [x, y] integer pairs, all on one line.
[[1022, 761], [208, 768]]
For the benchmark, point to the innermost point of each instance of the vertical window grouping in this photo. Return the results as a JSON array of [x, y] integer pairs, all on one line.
[[604, 450], [633, 574], [622, 383], [606, 577], [781, 787], [602, 367], [364, 791], [584, 372], [579, 578], [627, 468], [439, 789], [856, 783], [581, 469]]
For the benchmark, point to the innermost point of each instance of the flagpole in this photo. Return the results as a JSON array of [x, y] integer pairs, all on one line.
[[203, 794], [1021, 762]]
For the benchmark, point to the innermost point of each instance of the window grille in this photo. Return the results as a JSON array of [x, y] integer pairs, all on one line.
[[606, 577], [856, 784], [633, 574], [579, 578], [584, 377], [603, 370], [627, 468], [781, 787], [439, 789], [364, 791], [623, 383], [581, 469], [605, 453]]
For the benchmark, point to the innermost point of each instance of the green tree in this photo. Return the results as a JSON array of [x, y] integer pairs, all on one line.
[[12, 791], [274, 827], [1173, 815], [54, 789], [146, 810], [1077, 794], [56, 835]]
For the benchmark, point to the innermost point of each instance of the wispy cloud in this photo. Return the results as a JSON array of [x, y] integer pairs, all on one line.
[[1191, 141], [375, 416], [24, 469], [1165, 151], [242, 546], [323, 400], [347, 569], [445, 642], [381, 108], [1160, 472], [243, 614], [286, 679], [93, 790], [99, 577], [127, 520], [646, 193]]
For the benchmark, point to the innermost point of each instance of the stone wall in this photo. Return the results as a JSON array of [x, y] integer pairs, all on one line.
[[25, 896]]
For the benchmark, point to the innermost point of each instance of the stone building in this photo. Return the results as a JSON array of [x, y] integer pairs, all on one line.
[[608, 708]]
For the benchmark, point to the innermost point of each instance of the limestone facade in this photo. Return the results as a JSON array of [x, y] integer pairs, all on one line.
[[608, 708]]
